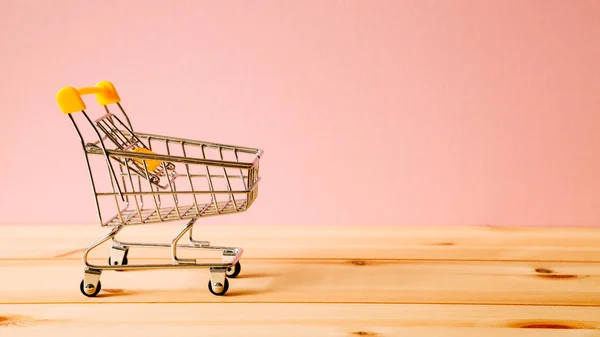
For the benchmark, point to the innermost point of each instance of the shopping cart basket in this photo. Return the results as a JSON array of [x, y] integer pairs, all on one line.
[[139, 178]]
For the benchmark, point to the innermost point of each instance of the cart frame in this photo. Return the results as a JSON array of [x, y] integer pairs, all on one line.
[[145, 172]]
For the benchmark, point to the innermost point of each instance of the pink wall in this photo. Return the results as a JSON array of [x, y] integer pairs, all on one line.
[[369, 112]]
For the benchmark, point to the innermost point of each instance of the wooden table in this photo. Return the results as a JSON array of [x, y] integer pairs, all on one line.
[[311, 281]]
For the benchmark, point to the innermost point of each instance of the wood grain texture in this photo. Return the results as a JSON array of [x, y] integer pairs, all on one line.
[[320, 281], [482, 243], [311, 281], [285, 319]]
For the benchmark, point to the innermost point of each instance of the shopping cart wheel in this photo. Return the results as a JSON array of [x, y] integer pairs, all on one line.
[[234, 271], [123, 263], [218, 290], [89, 290], [118, 256]]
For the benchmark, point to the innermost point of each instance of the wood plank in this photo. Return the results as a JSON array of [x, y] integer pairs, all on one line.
[[305, 281], [232, 319], [293, 242]]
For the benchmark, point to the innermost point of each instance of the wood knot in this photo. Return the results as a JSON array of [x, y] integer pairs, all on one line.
[[10, 320], [546, 326], [552, 325], [18, 320], [549, 274], [365, 333], [358, 262], [559, 277], [444, 244]]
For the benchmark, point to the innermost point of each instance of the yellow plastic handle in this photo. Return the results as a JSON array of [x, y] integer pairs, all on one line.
[[69, 98]]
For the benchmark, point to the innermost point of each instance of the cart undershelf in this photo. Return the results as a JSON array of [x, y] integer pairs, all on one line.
[[310, 281]]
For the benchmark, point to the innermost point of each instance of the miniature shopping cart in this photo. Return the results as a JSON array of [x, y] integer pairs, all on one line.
[[139, 178]]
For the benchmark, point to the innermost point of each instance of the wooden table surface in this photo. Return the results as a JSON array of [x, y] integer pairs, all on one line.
[[310, 281]]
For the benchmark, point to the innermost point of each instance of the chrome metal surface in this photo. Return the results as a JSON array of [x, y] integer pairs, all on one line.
[[231, 256], [176, 240], [90, 280], [117, 255], [217, 278], [142, 178]]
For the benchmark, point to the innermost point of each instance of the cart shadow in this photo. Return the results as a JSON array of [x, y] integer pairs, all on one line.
[[121, 293], [117, 292], [257, 275], [247, 292]]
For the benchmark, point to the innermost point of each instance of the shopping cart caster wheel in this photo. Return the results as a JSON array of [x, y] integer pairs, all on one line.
[[118, 256], [234, 271], [89, 290], [218, 289], [123, 263]]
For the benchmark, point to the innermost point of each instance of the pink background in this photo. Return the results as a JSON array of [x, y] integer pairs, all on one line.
[[370, 112]]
